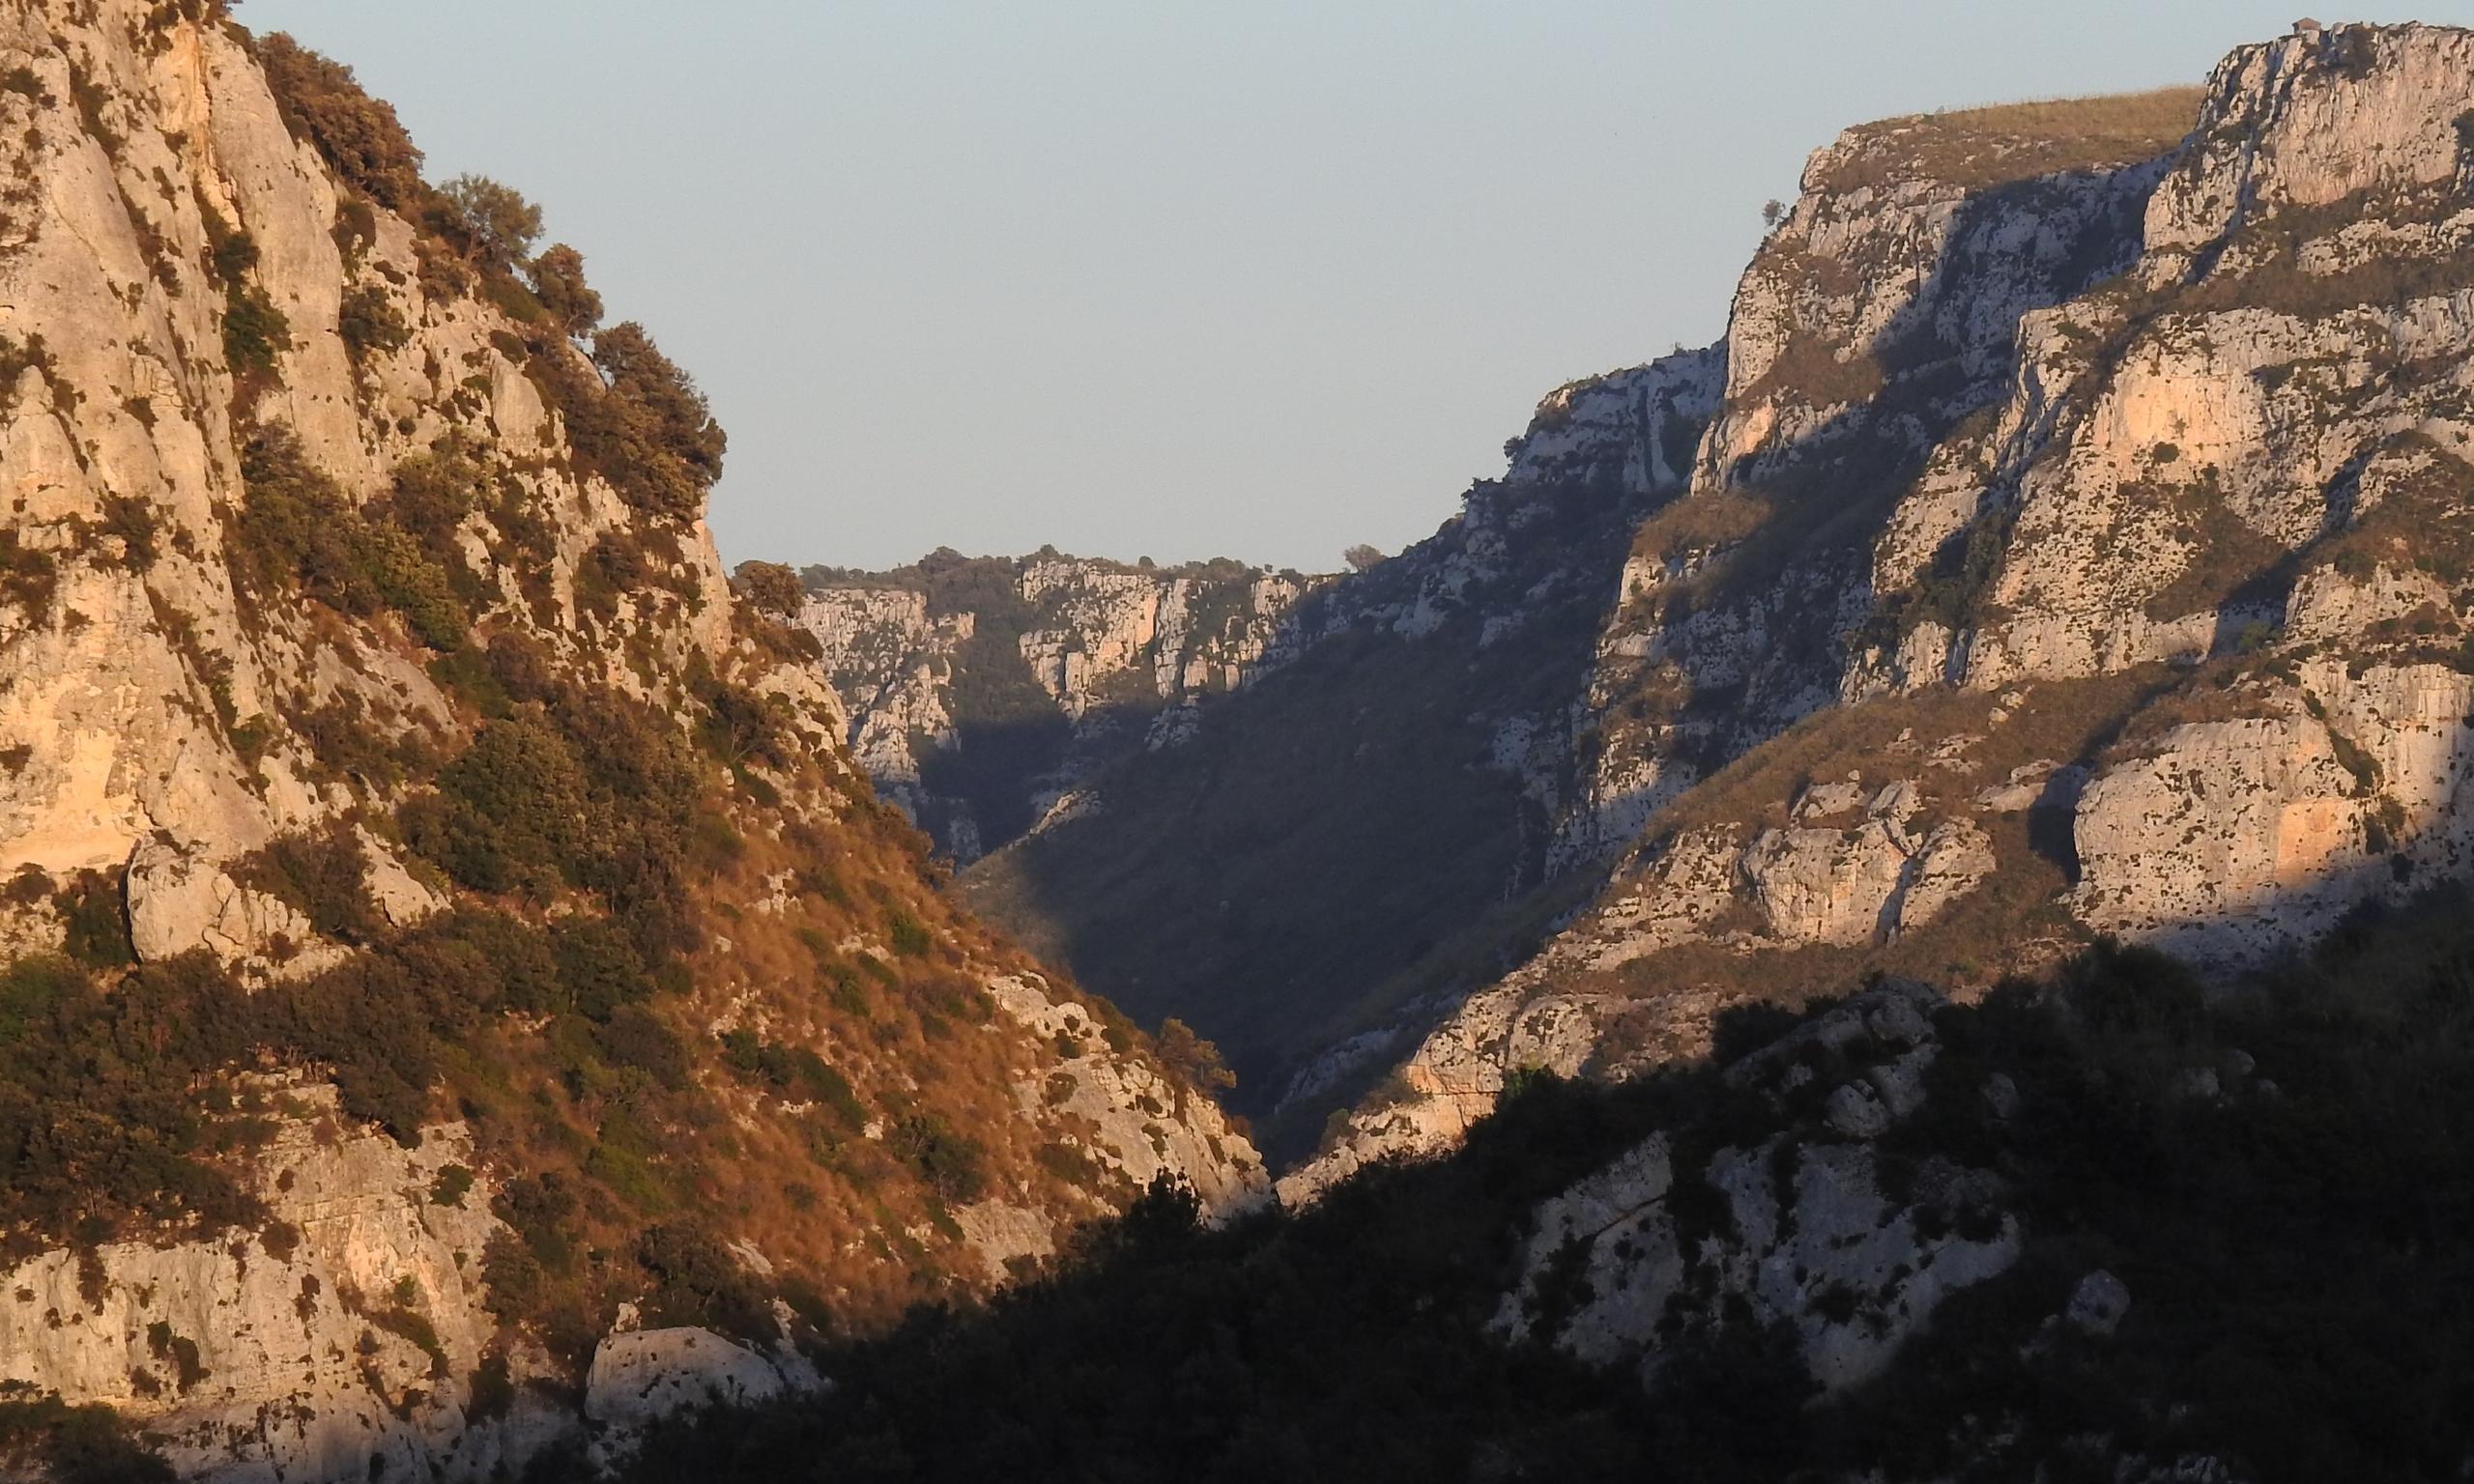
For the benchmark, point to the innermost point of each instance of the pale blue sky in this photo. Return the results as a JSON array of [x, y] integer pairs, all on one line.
[[1257, 278]]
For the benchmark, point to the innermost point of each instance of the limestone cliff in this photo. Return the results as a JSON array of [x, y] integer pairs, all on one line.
[[460, 996], [983, 692], [2076, 549]]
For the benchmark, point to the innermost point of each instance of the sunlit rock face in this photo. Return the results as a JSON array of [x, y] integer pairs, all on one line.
[[2079, 545], [173, 701]]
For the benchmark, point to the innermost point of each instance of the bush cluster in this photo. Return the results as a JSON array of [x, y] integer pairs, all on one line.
[[28, 577], [493, 224], [371, 322], [642, 424], [559, 283], [323, 873], [792, 1072], [575, 786], [360, 137], [299, 533], [83, 1444], [646, 429], [101, 1118], [254, 331]]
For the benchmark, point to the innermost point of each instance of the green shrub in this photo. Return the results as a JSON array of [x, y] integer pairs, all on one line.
[[492, 1391], [254, 331], [100, 1123], [359, 137], [434, 492], [28, 577], [323, 874], [509, 813], [299, 533], [84, 1444], [770, 587], [411, 583], [599, 969], [95, 917], [907, 934], [795, 1072], [368, 1020], [699, 1281], [742, 727], [133, 520], [493, 224], [649, 432], [559, 283], [369, 320], [953, 1164], [179, 1352], [635, 1037], [628, 1174], [513, 1277], [465, 673]]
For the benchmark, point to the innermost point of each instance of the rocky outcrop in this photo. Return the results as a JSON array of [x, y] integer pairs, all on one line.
[[982, 692], [883, 653], [2236, 840], [1797, 1230], [642, 1376], [1638, 429], [1130, 1120], [352, 1331]]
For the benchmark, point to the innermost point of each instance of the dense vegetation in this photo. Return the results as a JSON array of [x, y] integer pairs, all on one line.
[[358, 135], [546, 1009], [2299, 1257], [70, 1444], [298, 531]]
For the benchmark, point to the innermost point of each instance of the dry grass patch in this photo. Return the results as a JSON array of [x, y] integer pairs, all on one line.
[[2017, 141]]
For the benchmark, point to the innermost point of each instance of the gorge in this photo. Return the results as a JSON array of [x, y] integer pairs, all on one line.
[[1888, 902]]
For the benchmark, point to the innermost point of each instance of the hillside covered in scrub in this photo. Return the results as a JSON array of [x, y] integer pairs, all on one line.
[[458, 998], [2110, 1232]]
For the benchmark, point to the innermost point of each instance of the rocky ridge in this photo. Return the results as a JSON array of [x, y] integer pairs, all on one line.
[[2072, 554], [1801, 1234], [362, 652]]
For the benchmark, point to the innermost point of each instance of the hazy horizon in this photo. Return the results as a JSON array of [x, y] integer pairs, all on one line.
[[1141, 281]]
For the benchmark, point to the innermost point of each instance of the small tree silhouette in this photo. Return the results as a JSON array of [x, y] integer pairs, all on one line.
[[494, 223]]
